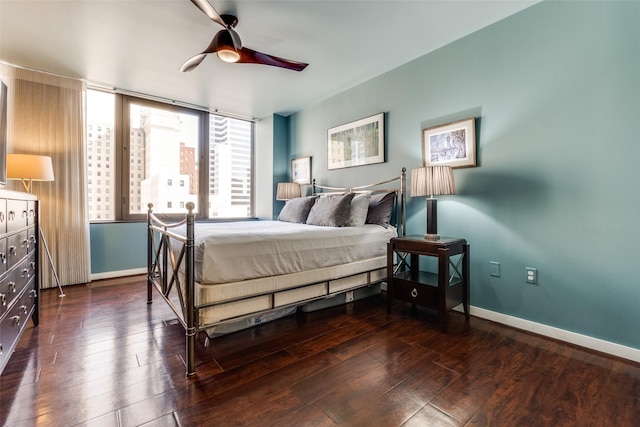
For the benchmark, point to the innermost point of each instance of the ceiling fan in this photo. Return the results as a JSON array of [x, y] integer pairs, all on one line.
[[227, 45]]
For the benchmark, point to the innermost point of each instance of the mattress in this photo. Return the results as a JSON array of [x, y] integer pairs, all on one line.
[[254, 267], [237, 251]]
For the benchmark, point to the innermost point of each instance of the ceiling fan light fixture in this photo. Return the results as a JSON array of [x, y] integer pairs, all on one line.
[[228, 55], [223, 45]]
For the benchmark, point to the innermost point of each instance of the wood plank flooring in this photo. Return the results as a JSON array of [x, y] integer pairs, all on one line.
[[103, 357]]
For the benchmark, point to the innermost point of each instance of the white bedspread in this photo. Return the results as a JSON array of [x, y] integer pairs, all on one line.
[[234, 251]]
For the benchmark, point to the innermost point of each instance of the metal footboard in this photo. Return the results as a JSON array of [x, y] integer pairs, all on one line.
[[163, 269]]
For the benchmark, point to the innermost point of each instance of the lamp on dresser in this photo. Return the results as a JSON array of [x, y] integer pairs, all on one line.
[[288, 191], [29, 168], [432, 181]]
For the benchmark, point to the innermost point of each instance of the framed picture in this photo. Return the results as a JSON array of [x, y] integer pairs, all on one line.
[[301, 170], [453, 144], [357, 143]]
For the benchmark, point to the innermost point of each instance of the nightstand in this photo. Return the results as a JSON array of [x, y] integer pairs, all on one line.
[[441, 290]]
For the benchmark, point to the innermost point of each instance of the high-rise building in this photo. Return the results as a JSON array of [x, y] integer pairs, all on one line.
[[229, 167], [166, 182], [101, 178]]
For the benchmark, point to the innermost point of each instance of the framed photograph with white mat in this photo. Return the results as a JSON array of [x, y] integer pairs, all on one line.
[[301, 170], [357, 143], [452, 144]]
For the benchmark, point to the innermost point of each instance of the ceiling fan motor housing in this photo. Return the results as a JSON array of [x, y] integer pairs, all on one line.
[[223, 46]]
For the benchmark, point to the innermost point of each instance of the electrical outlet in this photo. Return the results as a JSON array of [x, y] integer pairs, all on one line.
[[494, 268], [531, 275]]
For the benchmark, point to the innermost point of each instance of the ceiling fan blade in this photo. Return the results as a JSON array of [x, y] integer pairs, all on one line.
[[250, 56], [193, 62], [209, 10]]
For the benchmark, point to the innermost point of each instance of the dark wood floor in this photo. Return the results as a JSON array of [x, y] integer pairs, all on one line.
[[103, 357]]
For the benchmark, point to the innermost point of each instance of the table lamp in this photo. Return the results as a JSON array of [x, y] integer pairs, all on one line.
[[432, 181]]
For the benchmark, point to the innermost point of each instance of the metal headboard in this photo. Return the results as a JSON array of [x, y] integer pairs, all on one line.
[[378, 187]]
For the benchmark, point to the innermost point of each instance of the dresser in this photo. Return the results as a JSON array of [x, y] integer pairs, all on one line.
[[19, 288]]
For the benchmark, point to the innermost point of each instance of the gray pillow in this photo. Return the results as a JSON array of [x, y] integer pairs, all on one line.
[[359, 209], [381, 208], [296, 210], [331, 211]]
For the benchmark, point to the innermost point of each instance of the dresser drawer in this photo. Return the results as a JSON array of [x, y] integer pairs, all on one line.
[[17, 214], [31, 212], [3, 255], [13, 322], [417, 293], [16, 280], [17, 247], [32, 239], [3, 216]]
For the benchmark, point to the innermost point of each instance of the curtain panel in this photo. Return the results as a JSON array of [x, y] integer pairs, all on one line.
[[47, 117]]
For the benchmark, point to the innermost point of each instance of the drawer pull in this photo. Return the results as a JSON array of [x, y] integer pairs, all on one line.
[[12, 287], [23, 308], [414, 292], [25, 272], [3, 258], [1, 216], [3, 300], [0, 349], [33, 293], [16, 320], [13, 251]]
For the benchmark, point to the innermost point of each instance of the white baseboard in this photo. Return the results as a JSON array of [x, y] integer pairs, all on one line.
[[120, 273], [596, 344]]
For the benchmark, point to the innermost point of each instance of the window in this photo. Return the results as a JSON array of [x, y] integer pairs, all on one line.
[[100, 121], [209, 157]]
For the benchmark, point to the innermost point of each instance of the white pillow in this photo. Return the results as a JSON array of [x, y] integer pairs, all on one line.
[[359, 209]]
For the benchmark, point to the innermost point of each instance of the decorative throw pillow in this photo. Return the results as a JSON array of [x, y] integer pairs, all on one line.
[[359, 209], [331, 211], [297, 210], [381, 208]]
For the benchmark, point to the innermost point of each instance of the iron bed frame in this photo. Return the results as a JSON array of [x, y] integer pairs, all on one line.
[[164, 263]]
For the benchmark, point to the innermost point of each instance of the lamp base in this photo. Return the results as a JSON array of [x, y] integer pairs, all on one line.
[[431, 236]]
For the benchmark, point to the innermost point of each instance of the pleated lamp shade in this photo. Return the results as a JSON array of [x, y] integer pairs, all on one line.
[[432, 181], [288, 191]]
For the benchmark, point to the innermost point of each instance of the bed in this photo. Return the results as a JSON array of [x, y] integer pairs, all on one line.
[[324, 249]]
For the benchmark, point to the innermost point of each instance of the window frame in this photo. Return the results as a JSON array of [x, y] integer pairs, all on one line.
[[123, 168]]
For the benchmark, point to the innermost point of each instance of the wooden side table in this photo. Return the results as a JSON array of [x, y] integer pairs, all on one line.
[[442, 290]]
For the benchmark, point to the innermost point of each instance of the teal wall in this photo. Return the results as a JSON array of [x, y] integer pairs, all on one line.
[[118, 246], [557, 92], [281, 157]]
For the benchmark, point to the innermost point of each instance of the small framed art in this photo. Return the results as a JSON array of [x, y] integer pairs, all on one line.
[[357, 143], [452, 144], [301, 170]]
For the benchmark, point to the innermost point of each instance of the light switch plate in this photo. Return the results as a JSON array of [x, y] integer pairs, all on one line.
[[494, 268]]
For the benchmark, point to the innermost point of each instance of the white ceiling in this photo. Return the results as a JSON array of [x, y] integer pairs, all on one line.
[[139, 45]]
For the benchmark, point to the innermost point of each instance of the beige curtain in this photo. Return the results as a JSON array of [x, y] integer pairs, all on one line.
[[46, 117]]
